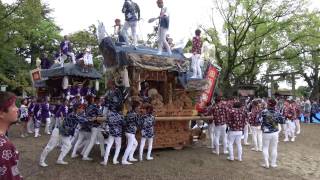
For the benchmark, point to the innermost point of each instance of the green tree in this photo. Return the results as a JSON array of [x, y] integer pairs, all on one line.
[[88, 38], [303, 56], [26, 30], [254, 33]]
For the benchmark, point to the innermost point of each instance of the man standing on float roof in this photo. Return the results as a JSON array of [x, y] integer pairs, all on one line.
[[163, 27], [66, 50], [196, 51], [131, 11]]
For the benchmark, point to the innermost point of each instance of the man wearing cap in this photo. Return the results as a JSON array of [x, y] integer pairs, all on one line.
[[270, 120], [163, 27], [132, 16]]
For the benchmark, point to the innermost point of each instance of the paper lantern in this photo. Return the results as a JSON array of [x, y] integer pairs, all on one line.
[[65, 82], [104, 69], [125, 77], [97, 85], [139, 83], [38, 62]]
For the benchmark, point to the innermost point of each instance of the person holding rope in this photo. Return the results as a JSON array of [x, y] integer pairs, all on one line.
[[63, 134], [131, 124], [147, 132]]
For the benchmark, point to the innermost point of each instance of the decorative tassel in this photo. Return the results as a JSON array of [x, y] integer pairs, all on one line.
[[97, 85], [38, 62], [139, 83], [125, 77], [104, 69], [65, 82]]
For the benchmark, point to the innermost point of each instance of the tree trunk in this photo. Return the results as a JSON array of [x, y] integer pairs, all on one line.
[[316, 86], [315, 92]]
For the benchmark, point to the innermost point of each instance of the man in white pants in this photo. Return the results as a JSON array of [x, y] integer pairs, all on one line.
[[269, 126], [45, 114], [132, 16], [64, 134], [82, 140], [256, 126], [163, 28], [211, 134], [236, 121], [93, 111], [30, 125], [131, 122], [246, 134], [65, 49], [290, 115], [298, 110], [196, 51], [220, 113]]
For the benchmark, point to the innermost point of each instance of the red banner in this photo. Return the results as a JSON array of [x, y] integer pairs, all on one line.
[[206, 95]]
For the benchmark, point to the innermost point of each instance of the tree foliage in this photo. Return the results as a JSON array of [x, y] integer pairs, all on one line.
[[26, 31], [254, 32]]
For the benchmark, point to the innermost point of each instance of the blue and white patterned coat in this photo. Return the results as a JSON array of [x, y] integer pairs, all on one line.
[[23, 111], [85, 124], [115, 122], [131, 11], [270, 119], [70, 123], [148, 122], [114, 99], [131, 122], [93, 111]]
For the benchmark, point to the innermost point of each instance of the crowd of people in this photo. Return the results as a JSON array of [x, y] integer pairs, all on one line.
[[234, 119], [74, 122]]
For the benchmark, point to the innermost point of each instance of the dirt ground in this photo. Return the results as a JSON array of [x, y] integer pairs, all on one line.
[[296, 161]]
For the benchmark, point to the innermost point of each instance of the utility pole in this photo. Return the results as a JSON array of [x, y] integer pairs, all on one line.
[[293, 79]]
